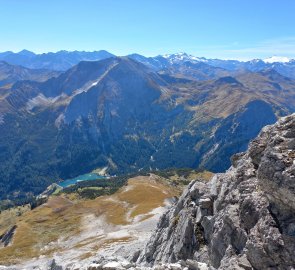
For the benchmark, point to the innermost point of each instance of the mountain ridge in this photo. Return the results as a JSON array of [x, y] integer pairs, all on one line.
[[117, 113], [9, 74], [60, 61], [63, 60]]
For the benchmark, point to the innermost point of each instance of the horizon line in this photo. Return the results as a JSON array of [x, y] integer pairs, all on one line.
[[180, 52]]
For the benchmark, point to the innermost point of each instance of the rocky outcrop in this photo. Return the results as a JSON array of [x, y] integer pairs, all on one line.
[[242, 219], [177, 237], [6, 238]]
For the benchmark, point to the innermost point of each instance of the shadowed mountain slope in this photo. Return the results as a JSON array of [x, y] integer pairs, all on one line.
[[10, 74]]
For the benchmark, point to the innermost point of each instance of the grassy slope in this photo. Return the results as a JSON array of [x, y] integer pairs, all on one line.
[[61, 218]]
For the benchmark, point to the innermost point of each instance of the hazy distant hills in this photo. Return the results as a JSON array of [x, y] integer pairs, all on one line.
[[130, 115], [61, 60], [10, 74]]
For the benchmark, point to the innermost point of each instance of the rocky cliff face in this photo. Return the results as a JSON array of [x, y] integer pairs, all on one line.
[[242, 219]]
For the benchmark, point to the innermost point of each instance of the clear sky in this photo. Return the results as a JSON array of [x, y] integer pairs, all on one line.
[[237, 29]]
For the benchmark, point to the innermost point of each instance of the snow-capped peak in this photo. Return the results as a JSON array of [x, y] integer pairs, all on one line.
[[182, 56], [275, 59]]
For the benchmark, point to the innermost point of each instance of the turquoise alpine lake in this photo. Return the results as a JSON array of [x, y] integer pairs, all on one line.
[[83, 177]]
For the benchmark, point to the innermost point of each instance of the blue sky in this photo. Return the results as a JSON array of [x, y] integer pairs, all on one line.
[[229, 29]]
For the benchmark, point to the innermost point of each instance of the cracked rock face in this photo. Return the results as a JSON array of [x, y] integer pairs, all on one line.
[[242, 219]]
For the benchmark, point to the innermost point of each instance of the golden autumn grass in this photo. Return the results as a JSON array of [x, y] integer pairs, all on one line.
[[145, 196], [8, 217], [61, 217], [194, 175], [39, 227], [181, 177], [205, 175]]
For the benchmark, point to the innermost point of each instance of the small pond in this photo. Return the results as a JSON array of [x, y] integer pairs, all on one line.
[[83, 177]]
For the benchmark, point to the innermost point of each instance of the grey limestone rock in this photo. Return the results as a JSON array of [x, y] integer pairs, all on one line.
[[241, 219]]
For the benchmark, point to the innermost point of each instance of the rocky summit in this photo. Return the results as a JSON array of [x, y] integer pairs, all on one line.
[[241, 219]]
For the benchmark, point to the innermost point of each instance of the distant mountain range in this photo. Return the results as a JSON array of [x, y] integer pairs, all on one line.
[[283, 65], [63, 60], [59, 61], [9, 74]]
